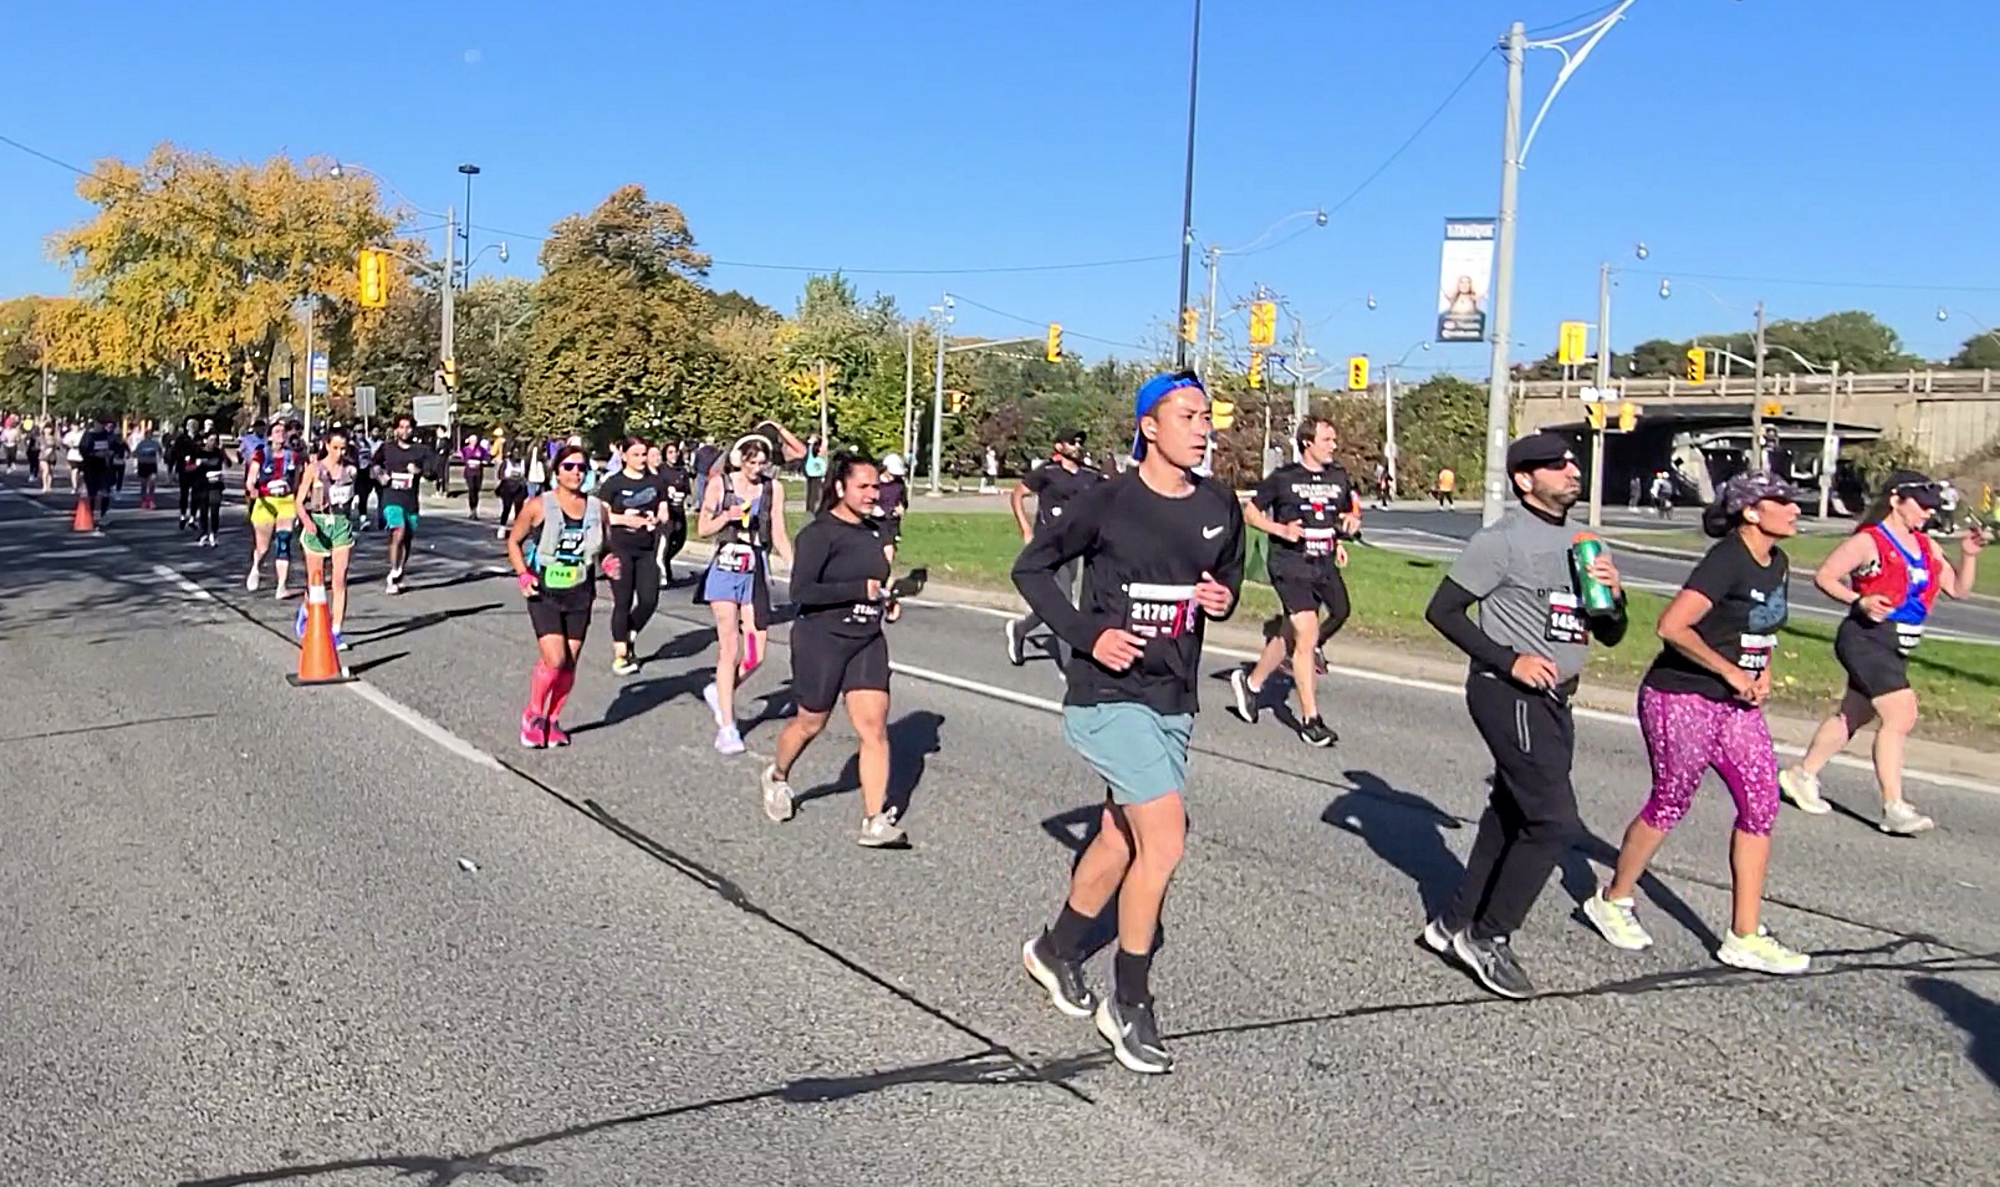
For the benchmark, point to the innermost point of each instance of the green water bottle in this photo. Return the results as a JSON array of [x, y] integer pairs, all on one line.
[[1585, 548]]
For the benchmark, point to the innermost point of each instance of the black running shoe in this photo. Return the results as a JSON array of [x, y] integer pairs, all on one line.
[[1134, 1036], [1062, 978], [1246, 697], [1492, 963], [1314, 732]]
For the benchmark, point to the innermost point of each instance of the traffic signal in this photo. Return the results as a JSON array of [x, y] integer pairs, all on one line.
[[1054, 352], [1773, 408], [374, 278], [449, 369], [1593, 415], [957, 402], [1221, 414], [1571, 342], [1628, 416], [1697, 365], [1257, 370], [1190, 323], [1263, 323], [1357, 373]]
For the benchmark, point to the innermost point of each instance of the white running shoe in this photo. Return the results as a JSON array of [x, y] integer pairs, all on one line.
[[1617, 921], [1762, 953], [713, 696], [728, 740], [250, 582], [1800, 788], [778, 804], [1900, 818]]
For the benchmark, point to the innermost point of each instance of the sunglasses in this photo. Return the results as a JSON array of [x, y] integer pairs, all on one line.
[[1561, 463], [571, 466]]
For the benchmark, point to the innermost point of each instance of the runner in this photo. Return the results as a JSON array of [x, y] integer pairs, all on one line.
[[472, 458], [399, 471], [363, 448], [181, 454], [1527, 653], [10, 442], [560, 583], [210, 477], [1701, 706], [146, 464], [744, 510], [99, 448], [1065, 476], [892, 500], [73, 457], [326, 527], [1305, 508], [1162, 550], [674, 483], [1888, 574], [270, 484], [840, 583], [512, 490], [632, 501], [41, 448]]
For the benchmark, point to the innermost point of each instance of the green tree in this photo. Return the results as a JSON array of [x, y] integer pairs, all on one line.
[[1440, 422], [618, 334], [493, 322], [1981, 352]]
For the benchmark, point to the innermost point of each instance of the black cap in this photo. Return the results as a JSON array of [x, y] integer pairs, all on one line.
[[1070, 434], [1912, 484], [1538, 449]]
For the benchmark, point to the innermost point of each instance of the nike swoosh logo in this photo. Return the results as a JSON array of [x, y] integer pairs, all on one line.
[[1210, 533]]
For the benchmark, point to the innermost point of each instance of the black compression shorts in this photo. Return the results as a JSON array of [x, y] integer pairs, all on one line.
[[563, 612], [826, 665], [1868, 652]]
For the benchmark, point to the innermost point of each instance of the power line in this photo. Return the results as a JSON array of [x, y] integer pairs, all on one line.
[[1484, 57], [1029, 321]]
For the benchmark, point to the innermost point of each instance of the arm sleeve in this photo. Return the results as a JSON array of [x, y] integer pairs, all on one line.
[[1447, 614], [809, 556], [1063, 541]]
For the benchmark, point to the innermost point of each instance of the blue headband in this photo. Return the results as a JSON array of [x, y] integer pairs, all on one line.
[[1154, 390]]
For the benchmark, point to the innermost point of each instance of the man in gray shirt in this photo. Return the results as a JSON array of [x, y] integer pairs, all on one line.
[[1527, 653]]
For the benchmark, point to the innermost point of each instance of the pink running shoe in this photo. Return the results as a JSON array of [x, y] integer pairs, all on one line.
[[557, 735], [535, 732]]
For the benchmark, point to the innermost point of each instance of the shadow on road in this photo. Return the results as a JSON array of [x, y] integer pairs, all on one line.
[[638, 697], [421, 622], [1971, 1013], [913, 738], [1404, 829]]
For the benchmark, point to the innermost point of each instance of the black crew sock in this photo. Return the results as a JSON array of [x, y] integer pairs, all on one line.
[[1130, 971], [1071, 929]]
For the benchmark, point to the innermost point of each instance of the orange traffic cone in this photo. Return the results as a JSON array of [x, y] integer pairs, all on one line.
[[82, 521], [319, 663]]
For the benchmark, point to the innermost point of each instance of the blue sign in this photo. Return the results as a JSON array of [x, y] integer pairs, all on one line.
[[316, 367]]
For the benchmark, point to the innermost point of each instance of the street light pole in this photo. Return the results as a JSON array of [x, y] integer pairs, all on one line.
[[1497, 401], [470, 171], [1213, 259], [1828, 455], [943, 310], [447, 344], [1603, 389], [1757, 397], [909, 390], [1187, 190]]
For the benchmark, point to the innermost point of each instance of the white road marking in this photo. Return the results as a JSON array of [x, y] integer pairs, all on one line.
[[173, 577], [424, 726]]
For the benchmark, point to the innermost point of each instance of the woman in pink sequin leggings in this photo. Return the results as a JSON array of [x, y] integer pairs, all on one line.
[[1700, 707]]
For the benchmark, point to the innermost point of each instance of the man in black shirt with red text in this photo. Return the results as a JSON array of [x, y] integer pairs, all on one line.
[[1162, 552], [1064, 477]]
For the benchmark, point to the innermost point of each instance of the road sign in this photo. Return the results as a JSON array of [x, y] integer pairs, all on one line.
[[431, 411], [316, 373], [48, 383], [1590, 395], [364, 400]]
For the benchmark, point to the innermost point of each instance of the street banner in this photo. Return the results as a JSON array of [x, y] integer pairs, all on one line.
[[316, 373], [1465, 272]]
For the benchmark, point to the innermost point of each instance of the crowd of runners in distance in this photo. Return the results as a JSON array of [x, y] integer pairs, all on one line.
[[1124, 570]]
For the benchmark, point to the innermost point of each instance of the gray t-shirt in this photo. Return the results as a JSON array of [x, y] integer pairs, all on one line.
[[1519, 569]]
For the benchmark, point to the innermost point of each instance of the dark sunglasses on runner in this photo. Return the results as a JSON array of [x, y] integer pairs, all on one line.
[[571, 466]]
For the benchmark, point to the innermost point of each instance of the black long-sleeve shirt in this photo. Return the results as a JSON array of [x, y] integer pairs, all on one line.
[[1143, 553], [832, 562]]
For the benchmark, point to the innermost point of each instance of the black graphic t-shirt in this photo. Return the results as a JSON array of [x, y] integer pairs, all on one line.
[[626, 495], [1748, 605], [1313, 499]]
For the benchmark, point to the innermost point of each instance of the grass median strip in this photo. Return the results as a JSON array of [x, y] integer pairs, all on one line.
[[1806, 551], [1958, 683]]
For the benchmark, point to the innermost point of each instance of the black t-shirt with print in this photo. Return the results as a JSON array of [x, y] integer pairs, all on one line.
[[1054, 485], [1313, 499], [1748, 605], [625, 495]]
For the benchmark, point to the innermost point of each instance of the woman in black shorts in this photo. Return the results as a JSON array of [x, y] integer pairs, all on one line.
[[840, 583], [559, 579]]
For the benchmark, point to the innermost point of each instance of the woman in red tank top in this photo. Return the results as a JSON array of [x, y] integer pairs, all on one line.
[[1888, 573]]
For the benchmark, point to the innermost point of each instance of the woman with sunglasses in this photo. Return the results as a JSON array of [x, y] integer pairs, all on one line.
[[1888, 573], [840, 583], [559, 580], [744, 510]]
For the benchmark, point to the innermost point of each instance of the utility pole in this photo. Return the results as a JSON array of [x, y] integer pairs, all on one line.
[[1213, 258], [1299, 408], [48, 385], [937, 400], [822, 405], [1829, 455], [1497, 397], [446, 328], [1757, 398], [1389, 427], [307, 422], [909, 389], [1187, 190], [1603, 392]]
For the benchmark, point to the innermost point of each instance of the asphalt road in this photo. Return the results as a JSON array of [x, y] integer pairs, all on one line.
[[1442, 533], [245, 947]]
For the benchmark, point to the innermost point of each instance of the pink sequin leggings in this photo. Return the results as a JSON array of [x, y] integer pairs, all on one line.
[[1686, 734]]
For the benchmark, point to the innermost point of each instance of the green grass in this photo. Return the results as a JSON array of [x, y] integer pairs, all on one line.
[[1806, 551], [1959, 683]]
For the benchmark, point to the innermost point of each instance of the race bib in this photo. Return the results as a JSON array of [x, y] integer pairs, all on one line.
[[1565, 621], [1754, 652], [340, 494], [217, 477], [862, 613], [100, 449], [736, 558], [400, 481], [676, 495], [1908, 635], [277, 488], [1318, 542], [1160, 611], [558, 575]]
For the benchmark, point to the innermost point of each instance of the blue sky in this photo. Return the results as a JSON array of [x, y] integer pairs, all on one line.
[[1753, 145]]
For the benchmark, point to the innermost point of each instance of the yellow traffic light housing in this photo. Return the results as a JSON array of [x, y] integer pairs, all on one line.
[[1054, 353], [373, 269], [1257, 370], [1773, 408], [1697, 365], [449, 369], [1190, 324], [1593, 415], [1628, 416], [1357, 373], [1263, 323], [1222, 414]]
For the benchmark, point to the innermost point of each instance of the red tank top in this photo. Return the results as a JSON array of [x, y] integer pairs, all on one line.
[[1889, 573]]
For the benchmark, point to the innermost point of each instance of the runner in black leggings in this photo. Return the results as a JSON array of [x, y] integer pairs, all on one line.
[[208, 475], [632, 501]]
